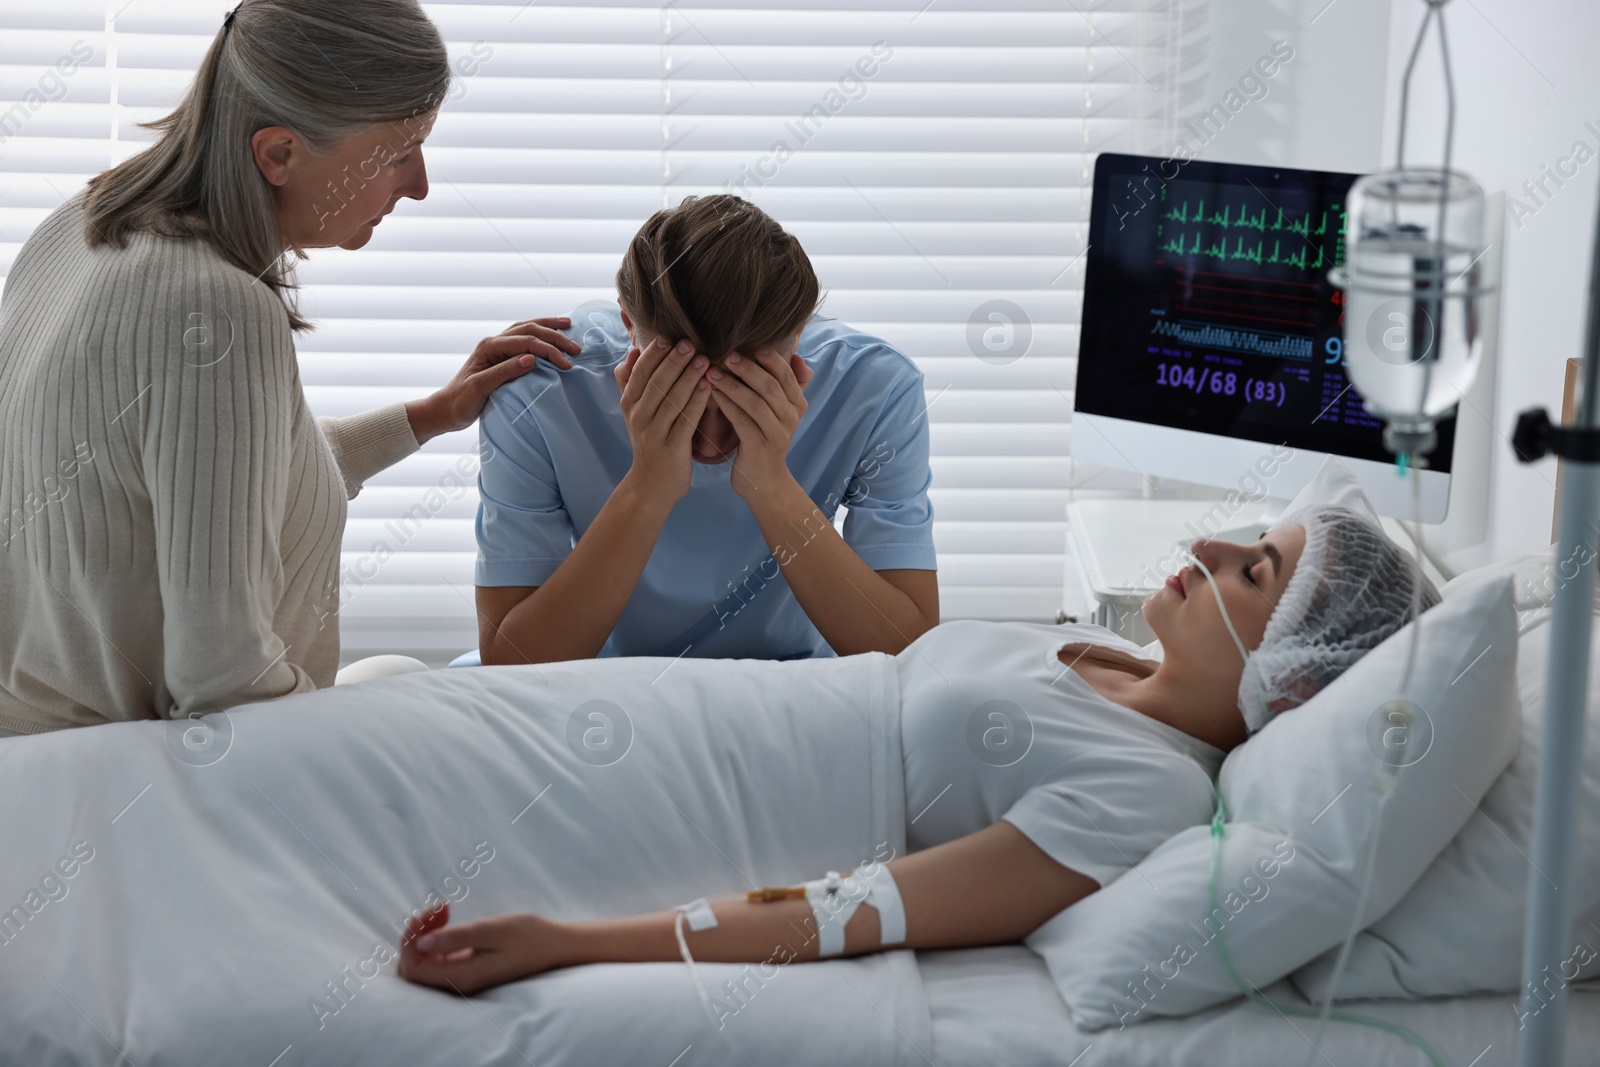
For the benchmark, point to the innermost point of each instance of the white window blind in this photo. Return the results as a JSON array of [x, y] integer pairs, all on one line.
[[935, 160]]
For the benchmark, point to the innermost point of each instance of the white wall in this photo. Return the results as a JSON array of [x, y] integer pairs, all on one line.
[[1527, 81], [1526, 84], [1324, 108]]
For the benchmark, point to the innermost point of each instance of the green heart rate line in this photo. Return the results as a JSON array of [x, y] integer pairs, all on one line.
[[1230, 217], [1304, 257]]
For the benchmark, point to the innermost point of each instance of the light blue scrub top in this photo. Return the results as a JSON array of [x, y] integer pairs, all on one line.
[[554, 446]]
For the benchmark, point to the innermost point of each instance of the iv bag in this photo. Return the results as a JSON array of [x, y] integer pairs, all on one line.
[[1412, 277]]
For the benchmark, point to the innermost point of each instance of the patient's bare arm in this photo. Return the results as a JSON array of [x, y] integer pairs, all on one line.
[[991, 887]]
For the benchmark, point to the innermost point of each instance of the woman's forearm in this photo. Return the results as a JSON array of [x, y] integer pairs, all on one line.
[[571, 615], [853, 606], [783, 931], [988, 888], [474, 956]]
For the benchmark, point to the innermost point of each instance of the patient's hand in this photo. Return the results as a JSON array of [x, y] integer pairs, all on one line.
[[476, 956]]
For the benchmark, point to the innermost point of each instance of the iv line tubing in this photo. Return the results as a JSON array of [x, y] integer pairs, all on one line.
[[1256, 996], [1218, 832], [1387, 783]]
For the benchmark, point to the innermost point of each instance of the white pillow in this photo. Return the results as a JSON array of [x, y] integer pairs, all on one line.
[[1335, 486], [1535, 579], [1459, 930], [1300, 796]]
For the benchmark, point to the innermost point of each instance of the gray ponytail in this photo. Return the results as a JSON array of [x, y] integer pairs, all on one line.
[[326, 69]]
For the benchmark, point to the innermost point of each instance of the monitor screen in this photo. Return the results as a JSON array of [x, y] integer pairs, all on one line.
[[1207, 306]]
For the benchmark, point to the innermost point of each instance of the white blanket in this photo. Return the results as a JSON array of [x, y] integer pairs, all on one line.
[[237, 884]]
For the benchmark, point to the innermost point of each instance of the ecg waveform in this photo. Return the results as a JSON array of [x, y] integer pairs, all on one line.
[[1308, 242], [1283, 346], [1300, 258], [1227, 218]]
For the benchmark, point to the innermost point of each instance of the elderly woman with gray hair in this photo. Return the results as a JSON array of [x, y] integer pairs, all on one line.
[[170, 511]]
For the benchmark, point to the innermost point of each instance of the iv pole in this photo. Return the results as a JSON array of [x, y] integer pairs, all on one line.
[[1548, 928]]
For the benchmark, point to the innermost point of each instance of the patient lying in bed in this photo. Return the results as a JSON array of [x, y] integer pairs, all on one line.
[[1039, 763]]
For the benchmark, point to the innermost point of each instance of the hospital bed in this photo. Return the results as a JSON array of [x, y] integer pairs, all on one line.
[[232, 889], [235, 893], [997, 1005]]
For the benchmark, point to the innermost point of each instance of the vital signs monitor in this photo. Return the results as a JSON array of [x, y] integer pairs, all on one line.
[[1211, 332]]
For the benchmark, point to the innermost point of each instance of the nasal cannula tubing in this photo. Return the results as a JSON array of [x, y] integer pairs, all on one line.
[[1406, 468], [1385, 790]]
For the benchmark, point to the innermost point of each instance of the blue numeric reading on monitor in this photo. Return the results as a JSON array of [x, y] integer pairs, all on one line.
[[1207, 305]]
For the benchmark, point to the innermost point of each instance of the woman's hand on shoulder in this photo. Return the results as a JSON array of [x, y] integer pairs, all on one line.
[[475, 956], [496, 361]]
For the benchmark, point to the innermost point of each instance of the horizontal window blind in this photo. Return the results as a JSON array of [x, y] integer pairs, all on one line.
[[933, 158]]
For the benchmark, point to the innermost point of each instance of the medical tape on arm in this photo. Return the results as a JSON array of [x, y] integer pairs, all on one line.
[[699, 916], [834, 901], [884, 895], [831, 907]]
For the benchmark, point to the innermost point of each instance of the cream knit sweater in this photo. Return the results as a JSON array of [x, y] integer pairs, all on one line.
[[170, 511]]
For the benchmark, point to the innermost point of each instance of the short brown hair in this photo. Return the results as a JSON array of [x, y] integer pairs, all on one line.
[[719, 272]]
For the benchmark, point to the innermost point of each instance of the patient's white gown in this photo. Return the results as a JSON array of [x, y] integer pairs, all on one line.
[[994, 725]]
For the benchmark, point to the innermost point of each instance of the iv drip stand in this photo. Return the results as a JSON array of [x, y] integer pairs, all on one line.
[[1547, 934]]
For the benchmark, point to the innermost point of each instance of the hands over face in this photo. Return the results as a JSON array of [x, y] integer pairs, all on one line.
[[664, 393], [763, 397]]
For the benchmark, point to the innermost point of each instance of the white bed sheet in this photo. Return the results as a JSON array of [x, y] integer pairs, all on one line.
[[997, 1005], [212, 905]]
